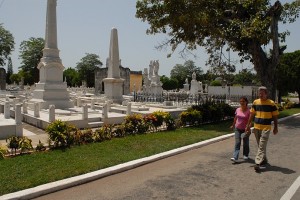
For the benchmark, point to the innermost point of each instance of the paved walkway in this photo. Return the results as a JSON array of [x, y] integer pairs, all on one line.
[[85, 178], [33, 133]]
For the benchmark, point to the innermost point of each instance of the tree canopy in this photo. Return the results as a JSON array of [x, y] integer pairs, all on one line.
[[9, 71], [288, 73], [31, 52], [7, 44], [169, 83], [243, 26], [181, 72], [72, 77], [86, 68]]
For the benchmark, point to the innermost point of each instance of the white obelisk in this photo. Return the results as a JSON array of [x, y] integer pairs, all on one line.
[[113, 84], [51, 89]]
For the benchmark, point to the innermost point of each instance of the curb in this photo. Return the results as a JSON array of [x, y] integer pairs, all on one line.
[[91, 176]]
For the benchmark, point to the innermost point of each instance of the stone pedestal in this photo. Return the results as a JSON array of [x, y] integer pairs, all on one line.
[[113, 84], [186, 87], [113, 88], [156, 90], [194, 87]]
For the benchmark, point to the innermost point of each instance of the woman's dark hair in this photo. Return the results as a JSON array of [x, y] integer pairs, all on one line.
[[245, 99]]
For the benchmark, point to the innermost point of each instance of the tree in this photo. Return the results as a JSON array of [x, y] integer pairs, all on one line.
[[9, 71], [31, 52], [243, 26], [169, 83], [7, 44], [245, 77], [15, 78], [288, 73], [181, 72], [86, 68], [72, 77]]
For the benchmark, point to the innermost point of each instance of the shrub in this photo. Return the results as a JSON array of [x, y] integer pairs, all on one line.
[[85, 136], [119, 130], [40, 146], [61, 133], [25, 144], [16, 142], [151, 120], [104, 133], [170, 122], [134, 124], [159, 115], [3, 151], [190, 117], [13, 143]]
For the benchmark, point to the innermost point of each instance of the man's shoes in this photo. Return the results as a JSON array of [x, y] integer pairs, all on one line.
[[245, 157], [259, 167], [233, 160]]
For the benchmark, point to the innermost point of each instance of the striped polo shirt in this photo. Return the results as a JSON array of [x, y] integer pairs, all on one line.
[[264, 111]]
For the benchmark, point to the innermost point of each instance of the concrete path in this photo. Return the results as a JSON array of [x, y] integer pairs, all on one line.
[[200, 173], [35, 134]]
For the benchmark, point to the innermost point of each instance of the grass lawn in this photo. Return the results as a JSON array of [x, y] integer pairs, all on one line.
[[288, 112], [28, 171]]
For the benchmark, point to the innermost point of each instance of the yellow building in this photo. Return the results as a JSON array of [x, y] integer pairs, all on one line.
[[136, 81]]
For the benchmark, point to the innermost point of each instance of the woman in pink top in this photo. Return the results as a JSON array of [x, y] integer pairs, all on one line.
[[242, 115]]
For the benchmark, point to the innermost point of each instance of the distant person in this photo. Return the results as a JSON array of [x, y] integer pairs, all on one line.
[[263, 111], [240, 121]]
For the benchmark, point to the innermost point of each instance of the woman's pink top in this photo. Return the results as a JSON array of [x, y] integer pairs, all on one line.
[[242, 118]]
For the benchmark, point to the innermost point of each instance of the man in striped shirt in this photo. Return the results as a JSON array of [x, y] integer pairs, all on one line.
[[263, 111]]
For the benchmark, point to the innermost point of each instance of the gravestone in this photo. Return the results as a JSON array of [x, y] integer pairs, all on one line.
[[2, 79]]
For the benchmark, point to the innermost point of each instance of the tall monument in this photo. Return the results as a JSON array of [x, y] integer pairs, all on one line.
[[113, 84], [51, 89]]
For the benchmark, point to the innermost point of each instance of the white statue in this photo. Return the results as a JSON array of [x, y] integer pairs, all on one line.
[[156, 67], [151, 68], [194, 76]]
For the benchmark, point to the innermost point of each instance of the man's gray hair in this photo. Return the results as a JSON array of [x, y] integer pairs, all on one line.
[[263, 88]]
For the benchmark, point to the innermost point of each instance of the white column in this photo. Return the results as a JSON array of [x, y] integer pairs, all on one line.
[[36, 110], [51, 113], [18, 119], [18, 115], [105, 111], [79, 102], [109, 102], [6, 110], [93, 104], [128, 112], [51, 28], [84, 112], [25, 111]]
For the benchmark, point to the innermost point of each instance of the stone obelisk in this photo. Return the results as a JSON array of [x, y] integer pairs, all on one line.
[[113, 84], [51, 89]]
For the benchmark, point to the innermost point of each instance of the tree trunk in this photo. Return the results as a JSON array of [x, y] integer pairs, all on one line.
[[266, 66]]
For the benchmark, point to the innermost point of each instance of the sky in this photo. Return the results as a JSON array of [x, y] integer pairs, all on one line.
[[84, 26]]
